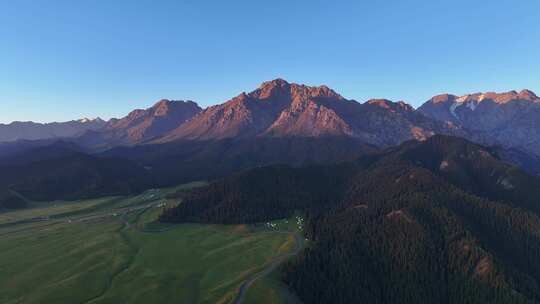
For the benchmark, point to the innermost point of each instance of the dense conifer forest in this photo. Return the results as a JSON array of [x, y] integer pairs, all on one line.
[[441, 221]]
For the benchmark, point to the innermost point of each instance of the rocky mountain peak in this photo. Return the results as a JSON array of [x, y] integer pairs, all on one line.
[[322, 91], [97, 120], [165, 106], [162, 107], [390, 105], [442, 98], [527, 95], [383, 103], [500, 98], [276, 83], [402, 104], [281, 89], [142, 124], [476, 98], [277, 88]]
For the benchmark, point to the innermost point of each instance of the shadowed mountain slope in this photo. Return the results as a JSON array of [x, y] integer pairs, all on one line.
[[59, 172]]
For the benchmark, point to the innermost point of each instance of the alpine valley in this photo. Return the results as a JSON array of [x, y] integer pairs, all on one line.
[[391, 204]]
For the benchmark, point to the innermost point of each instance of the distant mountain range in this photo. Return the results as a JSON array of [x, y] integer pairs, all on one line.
[[140, 125], [509, 119], [27, 130], [277, 123], [281, 109]]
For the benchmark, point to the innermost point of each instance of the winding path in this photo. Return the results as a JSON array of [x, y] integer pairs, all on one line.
[[78, 219], [123, 269], [299, 241]]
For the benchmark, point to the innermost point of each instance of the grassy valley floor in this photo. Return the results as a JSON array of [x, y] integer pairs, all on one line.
[[111, 250]]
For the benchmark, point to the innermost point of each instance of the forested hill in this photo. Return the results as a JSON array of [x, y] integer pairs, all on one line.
[[440, 221], [61, 173]]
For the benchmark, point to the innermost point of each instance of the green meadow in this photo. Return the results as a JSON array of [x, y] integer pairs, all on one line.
[[112, 250]]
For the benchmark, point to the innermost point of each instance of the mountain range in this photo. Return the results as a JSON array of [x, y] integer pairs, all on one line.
[[277, 123], [140, 125], [282, 109], [509, 119], [27, 130]]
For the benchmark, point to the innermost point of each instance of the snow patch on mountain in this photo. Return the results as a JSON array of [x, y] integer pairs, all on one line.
[[88, 120], [472, 105], [453, 108]]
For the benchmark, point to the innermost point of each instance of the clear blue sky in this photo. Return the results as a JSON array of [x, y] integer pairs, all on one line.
[[62, 60]]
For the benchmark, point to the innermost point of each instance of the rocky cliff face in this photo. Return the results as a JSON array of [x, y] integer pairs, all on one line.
[[311, 111], [281, 109], [510, 119]]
